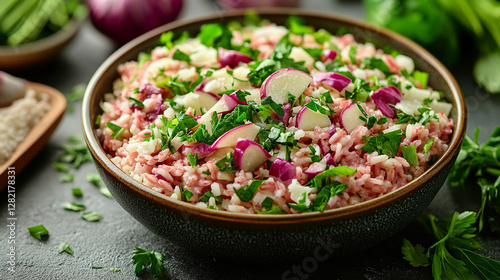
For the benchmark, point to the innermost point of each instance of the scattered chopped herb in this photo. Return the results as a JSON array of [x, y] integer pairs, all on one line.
[[193, 160], [143, 259], [75, 151], [384, 143], [421, 77], [426, 114], [114, 269], [246, 193], [135, 101], [329, 190], [267, 203], [187, 195], [215, 35], [275, 210], [66, 178], [206, 197], [117, 130], [77, 192], [428, 145], [64, 247], [60, 167], [227, 164], [314, 157], [38, 232], [375, 63], [75, 95], [277, 108], [96, 181], [179, 55], [96, 267], [410, 154], [91, 216], [73, 206], [298, 26]]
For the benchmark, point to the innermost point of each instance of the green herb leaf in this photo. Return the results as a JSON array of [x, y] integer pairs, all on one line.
[[73, 206], [114, 269], [77, 192], [143, 259], [66, 178], [384, 144], [246, 193], [117, 130], [60, 167], [64, 247], [91, 216], [414, 254], [193, 160], [38, 232], [274, 210], [135, 101], [227, 164], [215, 35], [487, 72], [179, 55], [428, 145], [410, 154]]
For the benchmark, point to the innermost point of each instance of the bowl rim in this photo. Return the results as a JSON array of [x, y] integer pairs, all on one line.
[[254, 219]]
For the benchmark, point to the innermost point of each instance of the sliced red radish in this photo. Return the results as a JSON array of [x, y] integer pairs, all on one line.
[[225, 104], [383, 97], [230, 138], [218, 154], [332, 80], [308, 119], [283, 170], [232, 58], [235, 97], [197, 100], [285, 81], [249, 155], [350, 117]]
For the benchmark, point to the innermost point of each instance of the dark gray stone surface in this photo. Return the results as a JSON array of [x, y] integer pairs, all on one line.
[[108, 243]]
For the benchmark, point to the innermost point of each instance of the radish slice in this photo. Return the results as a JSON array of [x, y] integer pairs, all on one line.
[[232, 58], [385, 96], [197, 100], [333, 80], [235, 98], [308, 119], [249, 155], [283, 170], [224, 105], [285, 81], [230, 138], [349, 117]]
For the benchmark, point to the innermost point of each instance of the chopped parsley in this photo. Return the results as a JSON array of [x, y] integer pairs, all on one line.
[[329, 190], [314, 157], [227, 164], [72, 206], [215, 35], [193, 160], [64, 247], [117, 130], [91, 216], [179, 55], [428, 145], [370, 120], [38, 232], [135, 102], [426, 114], [246, 193], [410, 154], [143, 259], [274, 210], [384, 143]]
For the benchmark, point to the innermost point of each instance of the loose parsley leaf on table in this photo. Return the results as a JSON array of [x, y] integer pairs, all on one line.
[[64, 247], [478, 165], [143, 258], [453, 256], [38, 231]]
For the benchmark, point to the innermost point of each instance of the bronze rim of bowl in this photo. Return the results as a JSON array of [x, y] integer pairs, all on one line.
[[287, 219]]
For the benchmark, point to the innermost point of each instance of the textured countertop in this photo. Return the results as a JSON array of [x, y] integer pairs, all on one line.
[[108, 243]]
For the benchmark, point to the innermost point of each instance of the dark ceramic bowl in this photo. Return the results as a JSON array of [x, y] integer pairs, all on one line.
[[275, 237]]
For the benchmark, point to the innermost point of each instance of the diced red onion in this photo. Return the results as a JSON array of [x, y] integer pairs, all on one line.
[[202, 150], [283, 170], [328, 55], [123, 20], [314, 169], [232, 58], [151, 115], [147, 90], [385, 96], [331, 79], [329, 159]]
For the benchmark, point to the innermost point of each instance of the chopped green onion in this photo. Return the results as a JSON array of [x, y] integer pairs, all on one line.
[[64, 247], [38, 231], [410, 154], [73, 206], [91, 216]]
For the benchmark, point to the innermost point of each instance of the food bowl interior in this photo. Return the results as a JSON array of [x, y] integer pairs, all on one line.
[[439, 79]]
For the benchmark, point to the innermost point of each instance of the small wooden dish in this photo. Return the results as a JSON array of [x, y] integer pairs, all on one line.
[[38, 135]]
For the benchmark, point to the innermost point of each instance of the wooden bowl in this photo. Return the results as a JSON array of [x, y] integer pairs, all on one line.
[[275, 237], [14, 58], [38, 135]]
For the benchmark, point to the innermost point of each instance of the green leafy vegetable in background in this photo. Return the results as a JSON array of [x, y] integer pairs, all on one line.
[[30, 20], [439, 26], [452, 256], [38, 231], [143, 258], [479, 166]]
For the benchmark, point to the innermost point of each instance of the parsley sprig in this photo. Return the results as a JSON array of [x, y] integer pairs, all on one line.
[[143, 259], [452, 256], [478, 165]]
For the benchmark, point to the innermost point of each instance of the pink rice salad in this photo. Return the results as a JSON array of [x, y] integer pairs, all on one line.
[[272, 120]]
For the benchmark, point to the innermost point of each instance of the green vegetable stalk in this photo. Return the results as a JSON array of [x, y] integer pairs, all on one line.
[[440, 25]]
